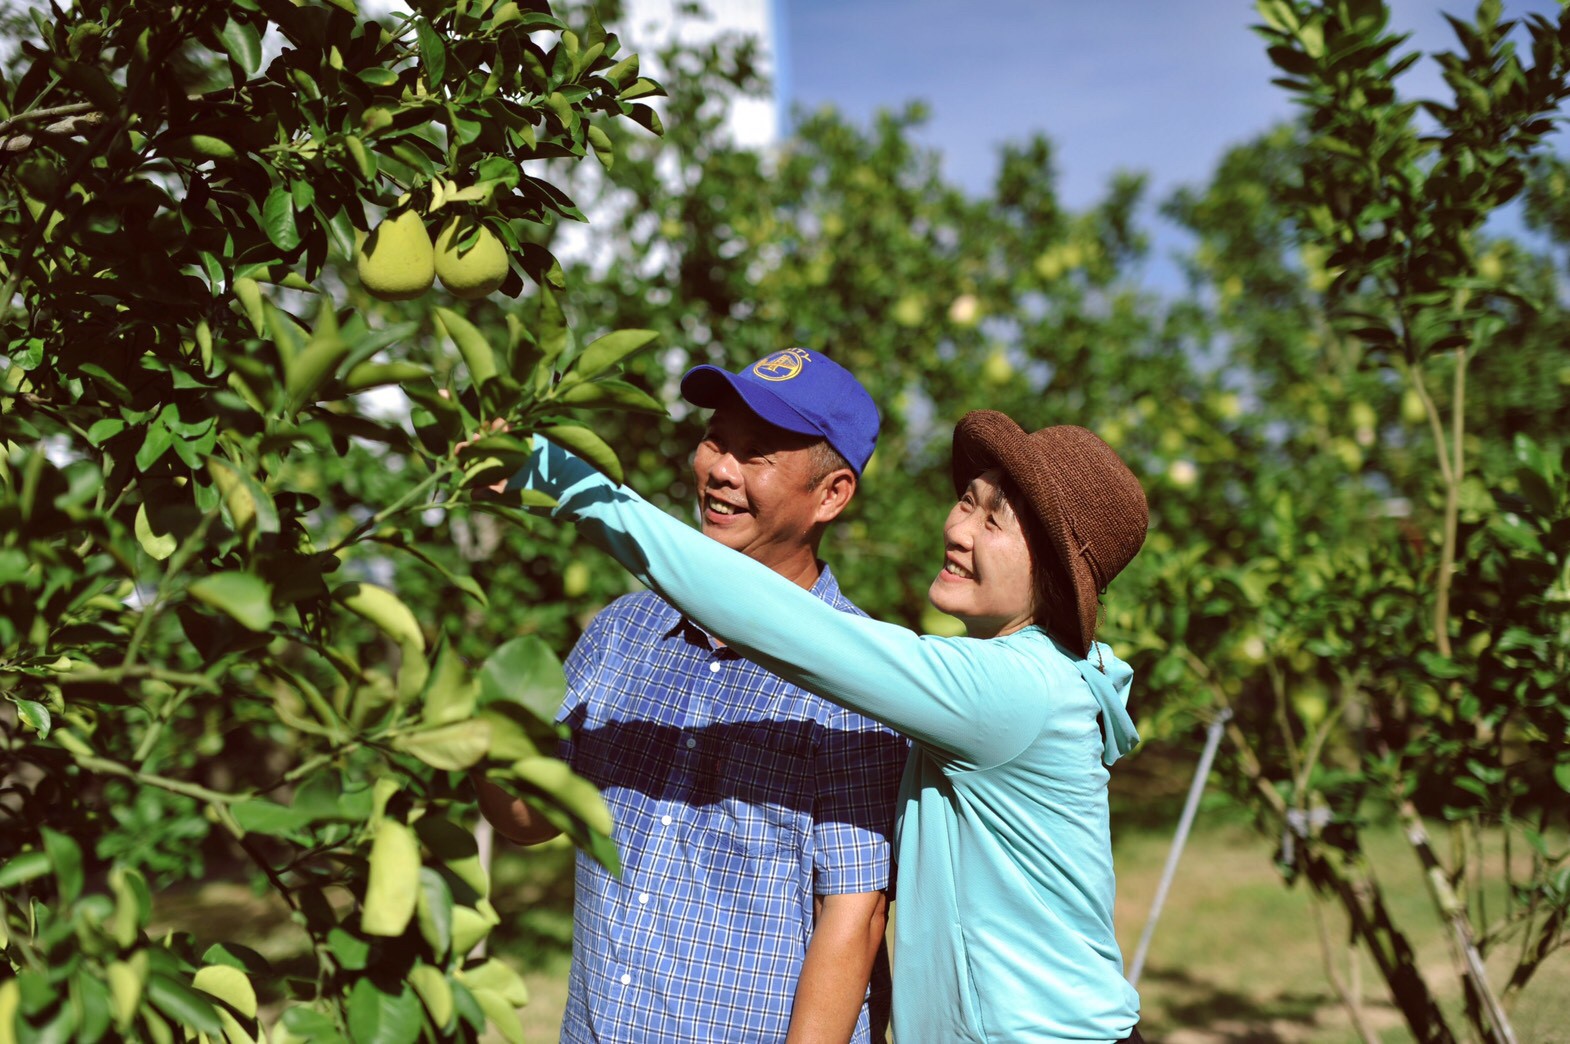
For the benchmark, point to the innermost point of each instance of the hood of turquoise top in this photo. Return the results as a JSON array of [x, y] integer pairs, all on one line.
[[1109, 679]]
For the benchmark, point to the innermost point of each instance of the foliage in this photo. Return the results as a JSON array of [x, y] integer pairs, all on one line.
[[193, 635]]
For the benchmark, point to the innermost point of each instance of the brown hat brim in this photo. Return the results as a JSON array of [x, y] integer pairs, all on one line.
[[1071, 482]]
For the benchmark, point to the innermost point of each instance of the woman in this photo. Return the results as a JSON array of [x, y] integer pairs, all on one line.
[[1005, 866]]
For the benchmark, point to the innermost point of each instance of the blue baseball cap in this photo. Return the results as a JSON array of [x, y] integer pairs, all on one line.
[[798, 390]]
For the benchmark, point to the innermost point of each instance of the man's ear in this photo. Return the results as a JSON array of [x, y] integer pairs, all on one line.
[[834, 493]]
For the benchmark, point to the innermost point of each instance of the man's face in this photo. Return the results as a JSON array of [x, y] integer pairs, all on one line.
[[753, 486]]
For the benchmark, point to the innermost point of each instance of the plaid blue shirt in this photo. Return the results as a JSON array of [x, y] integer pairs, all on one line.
[[737, 797]]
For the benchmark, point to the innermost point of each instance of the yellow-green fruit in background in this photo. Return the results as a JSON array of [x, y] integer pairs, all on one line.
[[1412, 409], [474, 272], [997, 369], [575, 579], [396, 261]]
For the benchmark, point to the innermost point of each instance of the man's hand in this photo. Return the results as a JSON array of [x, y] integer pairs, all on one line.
[[513, 819], [497, 426]]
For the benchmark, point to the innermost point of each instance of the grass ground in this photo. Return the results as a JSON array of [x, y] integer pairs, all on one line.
[[1236, 957]]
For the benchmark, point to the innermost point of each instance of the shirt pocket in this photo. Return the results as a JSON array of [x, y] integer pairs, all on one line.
[[761, 787]]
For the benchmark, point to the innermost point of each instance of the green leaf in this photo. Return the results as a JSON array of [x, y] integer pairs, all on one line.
[[471, 924], [66, 858], [278, 218], [502, 1015], [230, 985], [587, 445], [393, 886], [22, 868], [448, 747], [350, 951], [318, 362], [569, 790], [261, 816], [604, 151], [154, 443], [133, 904], [527, 672], [510, 725], [456, 849], [244, 596], [90, 997], [250, 297], [472, 345], [645, 116], [451, 692], [35, 716], [244, 45], [497, 977], [105, 429], [376, 1017], [309, 1024], [183, 1004], [433, 54], [372, 375], [435, 992], [609, 392], [433, 911], [1562, 775], [609, 350], [1439, 666]]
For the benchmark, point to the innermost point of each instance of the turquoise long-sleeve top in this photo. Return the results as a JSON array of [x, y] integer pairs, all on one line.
[[1004, 926]]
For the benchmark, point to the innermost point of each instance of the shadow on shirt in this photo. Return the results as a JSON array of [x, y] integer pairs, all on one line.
[[762, 784]]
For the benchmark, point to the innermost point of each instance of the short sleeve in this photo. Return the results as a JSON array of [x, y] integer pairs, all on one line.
[[858, 765], [582, 668]]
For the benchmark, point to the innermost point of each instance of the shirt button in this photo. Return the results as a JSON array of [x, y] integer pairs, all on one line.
[[665, 820], [643, 898], [714, 667], [626, 979], [691, 743]]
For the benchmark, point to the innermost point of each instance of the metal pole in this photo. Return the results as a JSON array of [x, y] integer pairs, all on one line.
[[1190, 806]]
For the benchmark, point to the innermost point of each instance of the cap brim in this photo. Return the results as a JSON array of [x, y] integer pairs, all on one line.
[[705, 386]]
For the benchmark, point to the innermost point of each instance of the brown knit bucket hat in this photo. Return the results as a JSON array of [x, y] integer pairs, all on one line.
[[1091, 508]]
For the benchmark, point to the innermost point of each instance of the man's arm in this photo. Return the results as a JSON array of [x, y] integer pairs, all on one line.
[[513, 819], [846, 936]]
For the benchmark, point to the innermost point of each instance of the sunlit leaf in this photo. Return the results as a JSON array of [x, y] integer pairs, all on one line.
[[393, 885], [244, 596], [526, 671]]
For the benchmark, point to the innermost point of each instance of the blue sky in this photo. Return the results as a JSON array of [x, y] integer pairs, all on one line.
[[1159, 86]]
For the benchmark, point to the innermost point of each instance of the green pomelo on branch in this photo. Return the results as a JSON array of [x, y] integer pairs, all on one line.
[[472, 272], [396, 261]]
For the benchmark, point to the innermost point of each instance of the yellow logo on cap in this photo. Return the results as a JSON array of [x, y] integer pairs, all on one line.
[[782, 366]]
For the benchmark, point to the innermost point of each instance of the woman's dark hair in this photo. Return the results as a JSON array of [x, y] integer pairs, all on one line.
[[1051, 587]]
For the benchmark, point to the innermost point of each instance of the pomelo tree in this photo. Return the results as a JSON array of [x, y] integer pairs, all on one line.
[[1380, 599], [200, 652]]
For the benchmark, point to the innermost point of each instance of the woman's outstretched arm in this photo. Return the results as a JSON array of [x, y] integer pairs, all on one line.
[[944, 692]]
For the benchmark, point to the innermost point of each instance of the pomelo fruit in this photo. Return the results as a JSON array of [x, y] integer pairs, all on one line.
[[474, 272], [396, 261]]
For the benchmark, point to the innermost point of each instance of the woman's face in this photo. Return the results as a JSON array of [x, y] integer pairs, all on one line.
[[985, 579]]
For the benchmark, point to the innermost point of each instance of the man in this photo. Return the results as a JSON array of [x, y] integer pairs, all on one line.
[[752, 818]]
